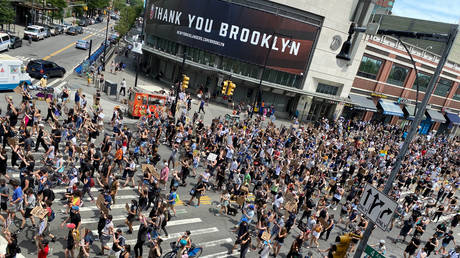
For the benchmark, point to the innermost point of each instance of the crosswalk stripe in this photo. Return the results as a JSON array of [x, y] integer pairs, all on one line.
[[118, 197], [53, 82], [61, 84], [93, 207], [196, 232], [123, 217], [215, 242], [220, 255]]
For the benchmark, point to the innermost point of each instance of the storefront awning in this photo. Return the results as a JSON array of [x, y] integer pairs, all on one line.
[[436, 116], [453, 118], [362, 103], [411, 112], [390, 108]]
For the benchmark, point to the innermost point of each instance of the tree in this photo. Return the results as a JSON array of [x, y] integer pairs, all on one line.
[[59, 5], [94, 5], [7, 13], [127, 19]]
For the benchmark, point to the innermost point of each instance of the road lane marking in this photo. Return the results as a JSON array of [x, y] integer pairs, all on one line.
[[123, 217], [221, 254], [215, 242], [68, 46], [54, 82], [176, 235]]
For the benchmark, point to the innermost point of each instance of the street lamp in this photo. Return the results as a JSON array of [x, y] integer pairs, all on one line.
[[105, 42], [345, 55]]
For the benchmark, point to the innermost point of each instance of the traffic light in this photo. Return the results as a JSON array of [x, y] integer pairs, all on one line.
[[343, 243], [185, 80], [224, 87], [231, 88]]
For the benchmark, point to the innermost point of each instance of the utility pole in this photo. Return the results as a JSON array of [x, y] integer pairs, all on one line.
[[105, 42], [174, 105], [412, 131]]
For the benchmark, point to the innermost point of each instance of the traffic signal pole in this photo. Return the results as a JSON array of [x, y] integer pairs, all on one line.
[[410, 135], [174, 104]]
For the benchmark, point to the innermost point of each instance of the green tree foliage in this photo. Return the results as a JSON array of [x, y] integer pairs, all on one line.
[[60, 5], [7, 13], [127, 19], [94, 5], [128, 15]]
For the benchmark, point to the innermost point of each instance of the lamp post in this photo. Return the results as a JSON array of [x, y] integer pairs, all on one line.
[[174, 104], [140, 53], [345, 55], [105, 42]]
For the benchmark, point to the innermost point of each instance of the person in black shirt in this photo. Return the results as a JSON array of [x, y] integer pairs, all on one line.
[[40, 139], [412, 247], [446, 241], [144, 229]]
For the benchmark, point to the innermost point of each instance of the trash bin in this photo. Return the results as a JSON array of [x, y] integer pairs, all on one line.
[[110, 88]]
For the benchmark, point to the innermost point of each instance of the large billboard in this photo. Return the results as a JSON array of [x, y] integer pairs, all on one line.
[[235, 31]]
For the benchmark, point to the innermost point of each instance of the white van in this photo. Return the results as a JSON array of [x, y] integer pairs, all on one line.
[[34, 32], [4, 41], [12, 73]]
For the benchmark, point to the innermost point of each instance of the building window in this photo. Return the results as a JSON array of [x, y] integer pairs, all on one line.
[[369, 67], [327, 89], [423, 81], [398, 75], [443, 87], [457, 94]]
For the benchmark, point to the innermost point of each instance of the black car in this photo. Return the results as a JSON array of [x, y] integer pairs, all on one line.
[[79, 29], [15, 41], [72, 31], [38, 68]]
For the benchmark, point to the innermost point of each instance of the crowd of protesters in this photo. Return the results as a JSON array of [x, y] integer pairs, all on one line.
[[278, 178]]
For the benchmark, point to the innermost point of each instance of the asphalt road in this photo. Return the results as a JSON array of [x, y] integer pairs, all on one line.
[[210, 231], [61, 49]]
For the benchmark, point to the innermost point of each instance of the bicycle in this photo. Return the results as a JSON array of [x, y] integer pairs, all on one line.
[[192, 252]]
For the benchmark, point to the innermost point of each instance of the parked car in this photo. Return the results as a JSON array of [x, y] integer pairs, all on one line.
[[48, 32], [82, 44], [99, 19], [4, 41], [34, 32], [66, 26], [83, 22], [79, 29], [15, 41], [38, 68], [53, 29], [59, 29], [72, 31]]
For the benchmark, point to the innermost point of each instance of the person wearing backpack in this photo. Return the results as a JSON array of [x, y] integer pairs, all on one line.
[[73, 237], [88, 182], [144, 229], [118, 244], [132, 213], [172, 200]]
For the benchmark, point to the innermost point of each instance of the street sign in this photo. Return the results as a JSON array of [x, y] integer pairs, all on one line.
[[377, 206], [373, 253]]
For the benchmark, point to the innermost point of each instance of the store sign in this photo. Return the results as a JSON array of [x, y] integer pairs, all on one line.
[[235, 31]]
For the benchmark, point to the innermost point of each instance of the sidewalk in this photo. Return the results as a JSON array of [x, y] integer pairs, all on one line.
[[19, 28], [212, 110]]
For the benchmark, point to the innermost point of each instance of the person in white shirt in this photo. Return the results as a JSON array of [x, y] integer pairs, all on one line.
[[123, 87]]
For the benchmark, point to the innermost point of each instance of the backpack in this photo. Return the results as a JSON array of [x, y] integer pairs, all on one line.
[[91, 182], [177, 198], [52, 216]]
